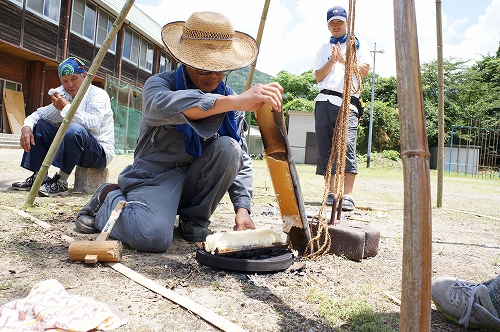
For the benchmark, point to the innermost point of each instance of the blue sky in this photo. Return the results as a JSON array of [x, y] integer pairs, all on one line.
[[295, 29]]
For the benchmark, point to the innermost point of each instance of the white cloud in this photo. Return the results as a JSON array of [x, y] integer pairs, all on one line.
[[294, 30]]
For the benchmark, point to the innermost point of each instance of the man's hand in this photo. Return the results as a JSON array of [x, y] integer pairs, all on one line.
[[258, 95], [243, 220], [27, 138], [58, 101]]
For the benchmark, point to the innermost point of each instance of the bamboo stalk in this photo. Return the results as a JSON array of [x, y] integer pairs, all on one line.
[[440, 65], [417, 237], [76, 102]]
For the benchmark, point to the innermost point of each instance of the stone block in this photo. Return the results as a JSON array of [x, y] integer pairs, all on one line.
[[87, 180]]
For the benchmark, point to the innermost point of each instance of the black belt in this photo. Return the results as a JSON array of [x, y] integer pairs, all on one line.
[[354, 100]]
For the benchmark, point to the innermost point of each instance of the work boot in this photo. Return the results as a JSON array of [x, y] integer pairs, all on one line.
[[193, 232], [84, 222]]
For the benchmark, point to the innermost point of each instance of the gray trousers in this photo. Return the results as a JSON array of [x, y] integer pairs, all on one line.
[[193, 193]]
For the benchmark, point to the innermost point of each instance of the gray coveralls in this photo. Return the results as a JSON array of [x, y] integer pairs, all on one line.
[[166, 180]]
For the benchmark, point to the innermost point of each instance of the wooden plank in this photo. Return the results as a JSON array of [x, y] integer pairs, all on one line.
[[207, 314], [203, 312], [14, 106]]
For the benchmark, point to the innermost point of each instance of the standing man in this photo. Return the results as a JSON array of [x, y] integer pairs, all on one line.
[[191, 147], [329, 70], [88, 142]]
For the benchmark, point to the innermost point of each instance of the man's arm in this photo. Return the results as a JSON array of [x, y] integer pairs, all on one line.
[[241, 191]]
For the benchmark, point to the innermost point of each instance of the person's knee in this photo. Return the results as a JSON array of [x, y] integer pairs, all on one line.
[[228, 150], [152, 240]]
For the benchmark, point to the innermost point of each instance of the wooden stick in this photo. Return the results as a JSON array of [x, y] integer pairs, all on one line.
[[203, 312]]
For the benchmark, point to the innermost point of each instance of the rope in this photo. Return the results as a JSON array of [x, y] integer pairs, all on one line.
[[322, 240]]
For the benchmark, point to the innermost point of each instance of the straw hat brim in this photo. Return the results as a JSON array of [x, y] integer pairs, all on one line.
[[205, 54]]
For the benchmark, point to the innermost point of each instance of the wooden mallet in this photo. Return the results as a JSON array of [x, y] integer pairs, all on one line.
[[100, 249]]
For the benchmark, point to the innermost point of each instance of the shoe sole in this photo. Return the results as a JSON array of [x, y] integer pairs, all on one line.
[[21, 189], [193, 238], [44, 194]]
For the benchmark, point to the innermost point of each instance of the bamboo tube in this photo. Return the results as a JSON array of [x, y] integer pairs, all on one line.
[[440, 65], [76, 102], [417, 237]]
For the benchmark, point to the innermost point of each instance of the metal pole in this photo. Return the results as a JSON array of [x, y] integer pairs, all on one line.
[[370, 127]]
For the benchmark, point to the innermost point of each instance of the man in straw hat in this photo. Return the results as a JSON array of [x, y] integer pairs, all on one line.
[[191, 147]]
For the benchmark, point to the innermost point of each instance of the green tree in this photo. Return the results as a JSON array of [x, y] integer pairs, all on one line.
[[302, 86]]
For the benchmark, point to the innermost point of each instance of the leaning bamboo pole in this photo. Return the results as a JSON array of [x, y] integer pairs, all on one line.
[[440, 66], [76, 102], [416, 278]]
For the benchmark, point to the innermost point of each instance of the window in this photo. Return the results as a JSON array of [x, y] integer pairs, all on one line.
[[104, 26], [165, 63], [48, 9], [137, 50], [83, 20], [146, 55]]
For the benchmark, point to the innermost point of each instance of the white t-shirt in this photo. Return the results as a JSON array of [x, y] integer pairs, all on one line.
[[335, 79]]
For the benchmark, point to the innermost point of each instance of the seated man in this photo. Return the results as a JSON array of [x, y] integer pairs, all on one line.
[[89, 139], [191, 149]]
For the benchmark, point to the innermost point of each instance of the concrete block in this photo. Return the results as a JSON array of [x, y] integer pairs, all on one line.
[[87, 180]]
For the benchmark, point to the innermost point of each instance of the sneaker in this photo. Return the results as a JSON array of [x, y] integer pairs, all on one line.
[[192, 232], [28, 183], [329, 199], [465, 303], [84, 222], [348, 203], [54, 187]]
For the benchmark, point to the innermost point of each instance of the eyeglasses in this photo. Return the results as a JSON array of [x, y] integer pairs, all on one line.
[[218, 73]]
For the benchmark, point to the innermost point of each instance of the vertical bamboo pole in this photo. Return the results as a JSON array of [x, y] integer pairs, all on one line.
[[251, 70], [440, 65], [76, 102], [416, 279]]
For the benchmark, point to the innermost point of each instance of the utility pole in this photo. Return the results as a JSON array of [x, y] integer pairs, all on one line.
[[370, 127]]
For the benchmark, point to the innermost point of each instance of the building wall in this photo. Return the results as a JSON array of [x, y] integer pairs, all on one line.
[[299, 124]]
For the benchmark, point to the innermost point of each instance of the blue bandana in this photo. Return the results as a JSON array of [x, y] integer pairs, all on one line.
[[71, 66], [229, 126], [342, 40]]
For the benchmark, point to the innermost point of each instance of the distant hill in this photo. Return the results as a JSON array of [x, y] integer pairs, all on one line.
[[238, 79]]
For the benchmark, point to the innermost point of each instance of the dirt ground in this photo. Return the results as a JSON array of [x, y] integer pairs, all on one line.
[[330, 294]]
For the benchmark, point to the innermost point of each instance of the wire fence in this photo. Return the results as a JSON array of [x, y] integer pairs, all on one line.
[[126, 102], [473, 150]]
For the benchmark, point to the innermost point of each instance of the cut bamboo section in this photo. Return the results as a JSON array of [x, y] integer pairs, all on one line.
[[284, 176]]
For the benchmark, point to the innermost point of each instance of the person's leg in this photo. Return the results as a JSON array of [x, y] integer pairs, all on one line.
[[325, 115], [44, 134], [208, 179], [147, 222], [351, 167], [79, 147]]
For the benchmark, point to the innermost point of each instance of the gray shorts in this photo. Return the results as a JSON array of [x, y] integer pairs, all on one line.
[[325, 116]]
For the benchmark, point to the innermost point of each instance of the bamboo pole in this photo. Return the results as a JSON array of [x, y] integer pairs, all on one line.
[[440, 67], [416, 278], [251, 70], [76, 102]]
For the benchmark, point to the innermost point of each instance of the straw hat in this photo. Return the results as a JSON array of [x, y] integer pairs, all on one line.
[[207, 41]]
